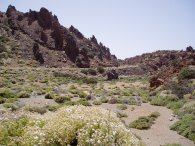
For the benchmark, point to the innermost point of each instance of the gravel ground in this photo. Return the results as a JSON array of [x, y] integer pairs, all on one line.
[[159, 134]]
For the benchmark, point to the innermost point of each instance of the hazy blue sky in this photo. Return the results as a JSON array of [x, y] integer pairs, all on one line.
[[127, 27]]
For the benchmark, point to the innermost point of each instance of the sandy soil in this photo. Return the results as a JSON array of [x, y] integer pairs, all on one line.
[[159, 134]]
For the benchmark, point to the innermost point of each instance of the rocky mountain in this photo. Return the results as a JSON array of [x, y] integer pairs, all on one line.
[[162, 64], [39, 36]]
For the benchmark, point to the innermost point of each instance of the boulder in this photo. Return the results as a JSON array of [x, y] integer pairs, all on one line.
[[37, 54], [112, 74]]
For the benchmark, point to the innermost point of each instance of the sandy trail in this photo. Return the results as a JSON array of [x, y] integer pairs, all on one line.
[[159, 134]]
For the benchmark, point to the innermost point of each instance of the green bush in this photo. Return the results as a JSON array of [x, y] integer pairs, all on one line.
[[186, 73], [53, 108], [23, 94], [90, 80], [121, 115], [187, 108], [84, 71], [2, 100], [12, 129], [61, 99], [122, 107], [40, 110], [185, 127], [4, 93], [104, 100], [79, 92], [173, 144], [12, 106], [49, 96], [114, 100], [92, 71], [132, 101], [83, 102], [144, 122], [159, 101], [100, 69], [97, 102]]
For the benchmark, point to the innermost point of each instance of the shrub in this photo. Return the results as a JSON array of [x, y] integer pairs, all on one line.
[[144, 122], [49, 96], [79, 92], [40, 110], [6, 93], [12, 129], [122, 107], [122, 115], [2, 100], [61, 99], [173, 144], [97, 102], [84, 71], [159, 101], [114, 100], [100, 69], [92, 71], [132, 101], [186, 73], [83, 102], [104, 100], [185, 127], [90, 80], [154, 115], [179, 89], [52, 108], [12, 106], [175, 106], [187, 108], [73, 125], [23, 94]]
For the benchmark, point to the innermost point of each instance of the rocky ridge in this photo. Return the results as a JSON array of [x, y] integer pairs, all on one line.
[[162, 65], [40, 36]]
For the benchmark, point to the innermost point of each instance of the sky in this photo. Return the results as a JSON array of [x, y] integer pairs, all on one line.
[[127, 27]]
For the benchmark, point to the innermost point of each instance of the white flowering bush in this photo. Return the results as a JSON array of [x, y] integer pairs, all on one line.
[[77, 126]]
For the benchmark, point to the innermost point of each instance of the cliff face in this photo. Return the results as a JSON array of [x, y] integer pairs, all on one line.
[[40, 37]]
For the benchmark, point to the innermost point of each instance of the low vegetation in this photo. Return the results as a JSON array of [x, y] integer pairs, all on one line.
[[144, 122], [68, 126]]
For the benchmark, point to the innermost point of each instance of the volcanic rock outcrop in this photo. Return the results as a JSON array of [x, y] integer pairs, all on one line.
[[59, 46]]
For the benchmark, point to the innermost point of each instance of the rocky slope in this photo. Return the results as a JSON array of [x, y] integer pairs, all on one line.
[[39, 36], [163, 64]]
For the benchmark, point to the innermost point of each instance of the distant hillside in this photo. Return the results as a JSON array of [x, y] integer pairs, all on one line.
[[162, 64], [39, 36]]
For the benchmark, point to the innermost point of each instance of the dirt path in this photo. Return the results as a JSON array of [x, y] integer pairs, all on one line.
[[159, 134]]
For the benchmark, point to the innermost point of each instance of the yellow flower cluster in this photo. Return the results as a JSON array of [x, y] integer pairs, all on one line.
[[79, 125]]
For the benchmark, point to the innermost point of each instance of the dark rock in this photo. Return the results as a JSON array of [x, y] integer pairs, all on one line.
[[112, 74], [37, 54], [93, 39], [156, 82], [60, 46], [76, 32], [189, 49], [71, 48]]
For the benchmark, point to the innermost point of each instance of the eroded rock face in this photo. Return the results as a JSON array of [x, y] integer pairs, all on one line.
[[112, 74], [71, 48], [60, 46], [163, 64], [37, 53]]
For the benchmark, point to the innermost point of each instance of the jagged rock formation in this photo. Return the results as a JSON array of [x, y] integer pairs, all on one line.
[[163, 64], [59, 46]]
